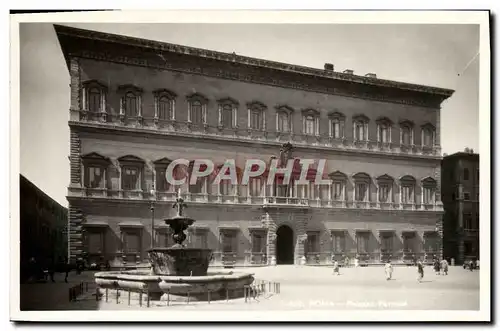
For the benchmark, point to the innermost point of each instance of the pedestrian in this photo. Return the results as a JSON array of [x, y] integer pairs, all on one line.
[[471, 265], [420, 270], [388, 270], [67, 269], [444, 267], [346, 262], [336, 268], [51, 269], [356, 262], [437, 266]]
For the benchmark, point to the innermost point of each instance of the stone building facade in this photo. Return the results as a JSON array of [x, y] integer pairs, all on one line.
[[43, 227], [136, 105], [460, 195]]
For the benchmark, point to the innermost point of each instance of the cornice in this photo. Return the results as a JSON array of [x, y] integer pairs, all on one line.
[[141, 52], [141, 132]]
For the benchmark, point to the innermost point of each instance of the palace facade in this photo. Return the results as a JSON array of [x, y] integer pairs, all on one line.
[[137, 104]]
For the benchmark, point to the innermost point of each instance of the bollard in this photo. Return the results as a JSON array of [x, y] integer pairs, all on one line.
[[279, 288], [129, 297], [106, 295], [269, 287], [208, 296], [140, 299], [188, 297], [227, 294], [117, 295], [148, 300], [70, 295], [97, 294], [168, 297], [245, 293]]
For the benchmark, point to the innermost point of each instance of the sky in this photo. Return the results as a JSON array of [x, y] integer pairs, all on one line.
[[433, 55]]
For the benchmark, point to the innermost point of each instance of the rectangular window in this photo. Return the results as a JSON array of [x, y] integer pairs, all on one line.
[[254, 187], [361, 193], [95, 177], [303, 191], [258, 242], [466, 196], [200, 239], [338, 242], [468, 221], [131, 105], [256, 120], [283, 124], [132, 242], [164, 238], [386, 242], [130, 178], [428, 195], [360, 131], [406, 136], [197, 113], [161, 180], [229, 243], [226, 188], [384, 134], [196, 188], [309, 125], [383, 194], [337, 188], [408, 242], [227, 117], [312, 242], [362, 242], [95, 242], [431, 243], [336, 129], [323, 192], [407, 194]]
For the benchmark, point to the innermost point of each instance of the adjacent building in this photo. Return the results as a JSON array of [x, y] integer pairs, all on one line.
[[137, 104], [460, 195], [43, 227]]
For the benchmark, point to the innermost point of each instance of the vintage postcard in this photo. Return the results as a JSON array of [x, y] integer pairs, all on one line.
[[246, 165]]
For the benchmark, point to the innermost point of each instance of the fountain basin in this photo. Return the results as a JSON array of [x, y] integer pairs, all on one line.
[[212, 286], [179, 261]]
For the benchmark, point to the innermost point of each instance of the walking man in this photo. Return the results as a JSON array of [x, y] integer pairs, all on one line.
[[388, 270], [336, 268], [420, 270], [444, 267], [437, 266]]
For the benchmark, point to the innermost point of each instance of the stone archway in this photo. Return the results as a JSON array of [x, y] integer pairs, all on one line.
[[284, 245]]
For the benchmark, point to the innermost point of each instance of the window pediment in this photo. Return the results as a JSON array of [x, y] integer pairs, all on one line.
[[130, 88], [338, 175], [164, 92], [197, 97], [360, 118], [429, 182], [284, 109], [310, 112], [162, 162], [361, 177], [94, 157], [428, 126], [407, 179], [336, 115], [94, 83], [130, 159], [406, 123], [385, 178], [228, 101], [384, 121], [256, 105]]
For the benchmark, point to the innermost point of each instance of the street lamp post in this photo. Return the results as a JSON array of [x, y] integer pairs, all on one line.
[[152, 217]]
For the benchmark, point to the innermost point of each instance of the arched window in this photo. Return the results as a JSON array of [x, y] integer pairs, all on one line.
[[384, 130], [228, 109], [94, 96], [337, 124], [284, 119], [164, 104], [197, 112], [407, 190], [310, 120], [256, 116], [428, 135], [385, 184], [131, 101], [429, 190], [360, 127]]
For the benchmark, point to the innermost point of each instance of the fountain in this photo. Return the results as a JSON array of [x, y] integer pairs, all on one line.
[[178, 272]]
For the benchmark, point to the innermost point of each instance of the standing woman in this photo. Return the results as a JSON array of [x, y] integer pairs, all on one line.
[[388, 270], [420, 270]]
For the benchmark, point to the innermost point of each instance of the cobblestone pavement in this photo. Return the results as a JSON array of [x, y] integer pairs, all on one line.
[[355, 288]]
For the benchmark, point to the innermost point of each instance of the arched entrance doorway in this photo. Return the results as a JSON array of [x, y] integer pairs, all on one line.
[[284, 245]]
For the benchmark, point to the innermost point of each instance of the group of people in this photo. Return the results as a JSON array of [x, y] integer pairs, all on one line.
[[440, 267]]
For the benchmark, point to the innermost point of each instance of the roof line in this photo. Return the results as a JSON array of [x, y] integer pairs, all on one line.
[[233, 57]]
